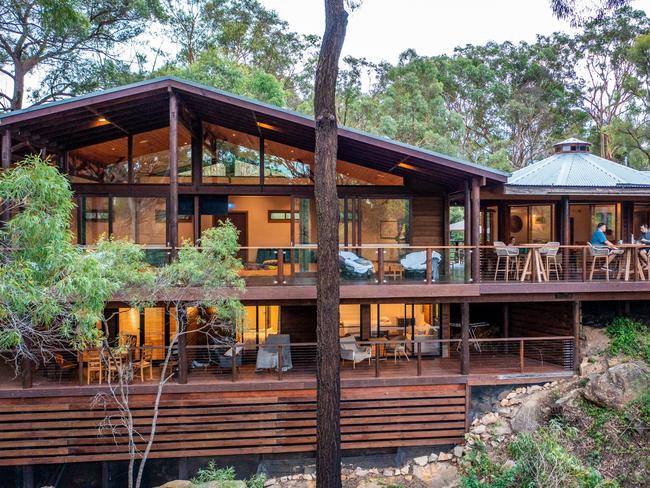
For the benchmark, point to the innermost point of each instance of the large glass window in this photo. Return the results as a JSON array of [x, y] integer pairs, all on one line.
[[259, 322], [607, 215], [94, 219], [531, 224], [287, 165], [140, 220], [384, 221], [100, 163], [230, 156]]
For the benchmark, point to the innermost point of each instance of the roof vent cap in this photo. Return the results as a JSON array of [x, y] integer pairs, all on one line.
[[572, 145]]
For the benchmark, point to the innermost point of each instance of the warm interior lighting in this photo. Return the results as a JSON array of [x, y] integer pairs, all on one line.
[[407, 166], [144, 141], [267, 126]]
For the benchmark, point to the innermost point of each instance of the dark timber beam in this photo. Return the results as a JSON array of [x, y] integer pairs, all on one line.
[[468, 231], [464, 337], [6, 162], [476, 230], [173, 172], [577, 319]]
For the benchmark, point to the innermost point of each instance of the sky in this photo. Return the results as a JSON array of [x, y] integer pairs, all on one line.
[[381, 29]]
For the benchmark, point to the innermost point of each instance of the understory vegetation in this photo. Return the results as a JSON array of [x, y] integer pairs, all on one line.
[[224, 477], [630, 338], [581, 444]]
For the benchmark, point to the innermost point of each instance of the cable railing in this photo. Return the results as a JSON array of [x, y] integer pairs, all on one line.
[[378, 357]]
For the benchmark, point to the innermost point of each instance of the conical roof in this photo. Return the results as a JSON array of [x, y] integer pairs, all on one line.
[[576, 170]]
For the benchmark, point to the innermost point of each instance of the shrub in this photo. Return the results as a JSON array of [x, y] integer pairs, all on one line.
[[629, 337], [223, 477], [540, 460]]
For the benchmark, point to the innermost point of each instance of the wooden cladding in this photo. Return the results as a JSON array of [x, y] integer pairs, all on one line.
[[65, 429], [427, 221]]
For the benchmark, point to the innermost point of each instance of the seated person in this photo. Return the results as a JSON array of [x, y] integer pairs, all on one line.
[[644, 238], [599, 239], [512, 241]]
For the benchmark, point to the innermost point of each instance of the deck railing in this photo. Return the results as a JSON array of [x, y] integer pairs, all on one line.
[[374, 358]]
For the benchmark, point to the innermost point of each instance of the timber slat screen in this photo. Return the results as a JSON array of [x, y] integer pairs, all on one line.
[[65, 429]]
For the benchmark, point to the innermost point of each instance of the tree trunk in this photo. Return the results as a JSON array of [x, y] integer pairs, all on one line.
[[19, 87], [328, 435]]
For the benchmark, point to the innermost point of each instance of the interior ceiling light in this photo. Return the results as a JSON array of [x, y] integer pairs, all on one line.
[[407, 166], [267, 126]]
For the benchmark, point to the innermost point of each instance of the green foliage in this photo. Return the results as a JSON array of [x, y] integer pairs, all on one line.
[[213, 473], [540, 459], [212, 67], [224, 477], [53, 293], [480, 471], [629, 337]]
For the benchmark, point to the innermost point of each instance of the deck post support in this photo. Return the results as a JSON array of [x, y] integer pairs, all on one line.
[[183, 473], [565, 240], [105, 475], [173, 172], [419, 358], [27, 367], [505, 327], [577, 319], [464, 336], [280, 362], [380, 265], [181, 324], [429, 271], [365, 316], [476, 230], [468, 232], [280, 261], [377, 360], [28, 476], [446, 328], [197, 153]]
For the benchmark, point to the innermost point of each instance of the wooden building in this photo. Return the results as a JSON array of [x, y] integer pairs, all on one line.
[[427, 316]]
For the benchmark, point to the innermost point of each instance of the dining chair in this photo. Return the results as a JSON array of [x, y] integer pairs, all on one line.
[[550, 252], [145, 362], [95, 365]]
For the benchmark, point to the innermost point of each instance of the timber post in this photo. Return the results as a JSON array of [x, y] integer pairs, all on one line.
[[476, 229], [464, 336], [577, 319], [468, 233], [173, 172]]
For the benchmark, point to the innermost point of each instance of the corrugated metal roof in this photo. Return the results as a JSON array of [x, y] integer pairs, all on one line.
[[572, 140], [578, 169]]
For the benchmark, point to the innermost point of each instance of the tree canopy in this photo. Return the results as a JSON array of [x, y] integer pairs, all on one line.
[[500, 104]]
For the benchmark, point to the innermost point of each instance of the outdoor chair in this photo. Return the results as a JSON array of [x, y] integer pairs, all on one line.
[[507, 259], [598, 253], [62, 365], [350, 351], [267, 355], [145, 362], [95, 365], [354, 267], [415, 264], [550, 254], [397, 348], [224, 356]]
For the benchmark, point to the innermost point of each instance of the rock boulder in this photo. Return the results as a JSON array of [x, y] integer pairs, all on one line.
[[618, 385]]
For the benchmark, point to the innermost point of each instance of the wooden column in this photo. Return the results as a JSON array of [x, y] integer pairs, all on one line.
[[197, 153], [172, 218], [129, 158], [577, 319], [464, 336], [106, 477], [565, 221], [627, 227], [365, 321], [181, 325], [506, 321], [196, 219], [501, 223], [467, 237], [445, 328], [183, 472], [476, 230], [28, 476]]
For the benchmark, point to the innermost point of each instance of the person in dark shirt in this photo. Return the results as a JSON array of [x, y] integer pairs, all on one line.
[[644, 238], [599, 239]]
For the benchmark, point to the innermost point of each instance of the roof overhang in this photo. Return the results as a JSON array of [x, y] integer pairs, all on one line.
[[139, 107], [574, 190]]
